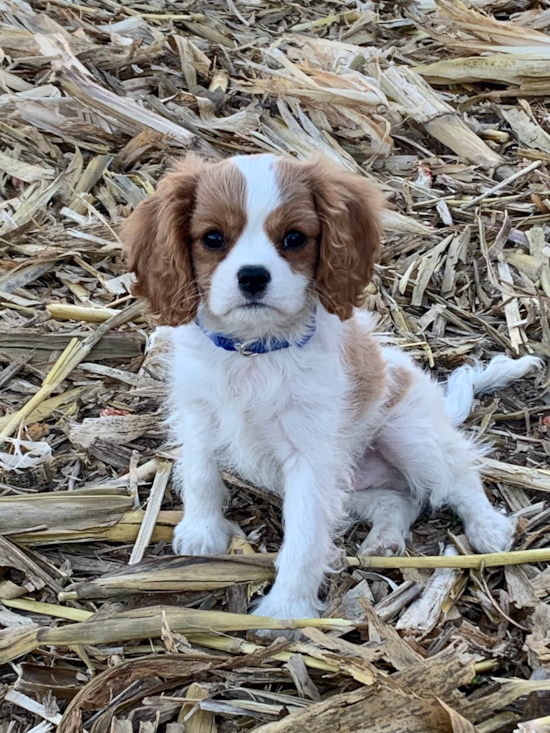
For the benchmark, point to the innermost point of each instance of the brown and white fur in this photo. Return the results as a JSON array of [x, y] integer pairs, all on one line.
[[339, 426]]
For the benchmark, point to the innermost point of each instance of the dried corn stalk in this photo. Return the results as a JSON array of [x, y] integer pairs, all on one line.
[[463, 28], [178, 574], [63, 512], [418, 99], [145, 624]]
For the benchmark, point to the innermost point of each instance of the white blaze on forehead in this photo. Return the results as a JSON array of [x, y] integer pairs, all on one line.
[[262, 188]]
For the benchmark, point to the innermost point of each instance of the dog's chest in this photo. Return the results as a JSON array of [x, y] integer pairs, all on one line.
[[264, 409], [254, 394]]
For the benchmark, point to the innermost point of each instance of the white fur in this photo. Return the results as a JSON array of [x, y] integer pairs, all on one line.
[[286, 293], [418, 457], [277, 421], [285, 421], [468, 381]]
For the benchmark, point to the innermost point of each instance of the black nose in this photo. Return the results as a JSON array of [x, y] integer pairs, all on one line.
[[253, 280]]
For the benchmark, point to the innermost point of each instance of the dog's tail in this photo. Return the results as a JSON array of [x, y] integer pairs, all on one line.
[[467, 382]]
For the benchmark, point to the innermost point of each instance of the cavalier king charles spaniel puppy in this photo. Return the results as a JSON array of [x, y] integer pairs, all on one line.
[[260, 264]]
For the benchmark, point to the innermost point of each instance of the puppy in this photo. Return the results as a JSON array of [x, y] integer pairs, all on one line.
[[260, 264]]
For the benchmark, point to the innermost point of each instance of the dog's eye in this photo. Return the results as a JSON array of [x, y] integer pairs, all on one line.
[[294, 240], [213, 240]]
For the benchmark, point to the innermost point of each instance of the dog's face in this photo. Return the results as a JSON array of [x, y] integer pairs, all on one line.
[[256, 238]]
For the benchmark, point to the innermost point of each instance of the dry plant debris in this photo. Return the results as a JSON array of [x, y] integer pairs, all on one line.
[[102, 629]]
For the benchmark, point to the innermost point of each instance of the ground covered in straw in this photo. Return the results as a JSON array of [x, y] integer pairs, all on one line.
[[104, 630]]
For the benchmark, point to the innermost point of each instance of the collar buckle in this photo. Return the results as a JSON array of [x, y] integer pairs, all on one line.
[[244, 348]]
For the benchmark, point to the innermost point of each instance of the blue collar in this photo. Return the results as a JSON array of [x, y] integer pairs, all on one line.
[[252, 347]]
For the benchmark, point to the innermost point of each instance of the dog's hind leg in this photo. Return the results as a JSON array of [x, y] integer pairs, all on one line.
[[391, 513], [439, 464]]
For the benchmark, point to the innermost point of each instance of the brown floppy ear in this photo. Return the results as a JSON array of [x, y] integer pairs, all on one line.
[[156, 246], [349, 208]]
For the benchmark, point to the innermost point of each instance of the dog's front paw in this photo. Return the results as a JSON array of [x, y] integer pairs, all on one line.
[[383, 541], [491, 531], [204, 536], [273, 606]]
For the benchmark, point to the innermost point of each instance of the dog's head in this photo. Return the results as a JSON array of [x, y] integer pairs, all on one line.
[[257, 239]]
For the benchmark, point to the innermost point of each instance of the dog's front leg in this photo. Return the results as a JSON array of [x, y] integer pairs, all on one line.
[[313, 506], [203, 530]]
